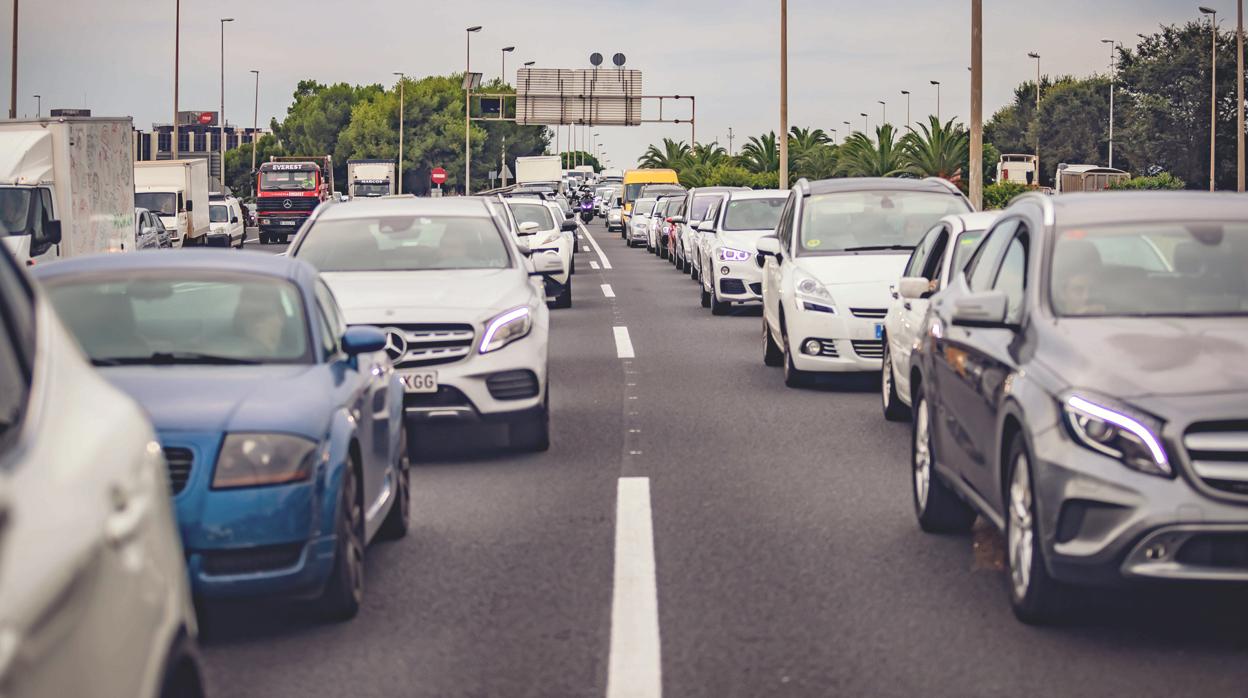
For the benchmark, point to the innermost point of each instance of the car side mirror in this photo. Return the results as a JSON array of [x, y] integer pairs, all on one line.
[[190, 205], [568, 226], [233, 219], [986, 309], [529, 227], [913, 287], [677, 219], [546, 264], [52, 232], [524, 248], [363, 339], [568, 215], [706, 227], [768, 245]]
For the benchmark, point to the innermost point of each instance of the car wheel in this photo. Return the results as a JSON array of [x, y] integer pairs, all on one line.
[[531, 433], [182, 677], [719, 307], [894, 409], [398, 519], [564, 299], [572, 268], [1035, 596], [242, 241], [706, 298], [345, 589], [794, 377], [663, 253], [773, 355], [936, 506]]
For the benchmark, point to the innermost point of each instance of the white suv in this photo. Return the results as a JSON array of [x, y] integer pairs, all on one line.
[[467, 329], [839, 245], [733, 274]]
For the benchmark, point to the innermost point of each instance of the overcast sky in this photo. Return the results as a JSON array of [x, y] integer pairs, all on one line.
[[116, 56]]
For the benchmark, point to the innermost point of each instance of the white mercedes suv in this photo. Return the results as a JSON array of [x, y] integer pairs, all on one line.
[[467, 328]]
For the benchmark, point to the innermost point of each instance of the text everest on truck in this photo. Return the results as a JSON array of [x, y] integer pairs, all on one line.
[[288, 190], [66, 187], [177, 192], [369, 178]]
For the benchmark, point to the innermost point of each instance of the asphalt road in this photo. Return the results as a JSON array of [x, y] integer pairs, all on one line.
[[786, 557]]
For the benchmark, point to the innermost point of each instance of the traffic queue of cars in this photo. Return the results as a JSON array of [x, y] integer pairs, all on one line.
[[1069, 366], [243, 421]]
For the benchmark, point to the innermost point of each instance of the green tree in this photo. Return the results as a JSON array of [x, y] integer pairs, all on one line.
[[580, 157], [936, 149], [859, 156], [671, 156], [1074, 125], [761, 154], [238, 173]]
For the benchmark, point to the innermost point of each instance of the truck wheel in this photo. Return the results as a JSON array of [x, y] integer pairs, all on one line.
[[285, 238]]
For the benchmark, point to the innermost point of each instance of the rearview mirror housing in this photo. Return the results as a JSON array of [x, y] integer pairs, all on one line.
[[363, 339], [677, 219], [568, 226], [546, 264], [986, 309], [768, 245], [706, 227], [52, 232], [529, 227], [913, 287]]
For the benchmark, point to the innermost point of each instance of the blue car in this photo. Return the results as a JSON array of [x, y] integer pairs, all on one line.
[[283, 429]]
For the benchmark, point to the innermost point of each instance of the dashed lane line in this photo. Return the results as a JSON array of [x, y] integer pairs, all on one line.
[[606, 263], [593, 265], [608, 291], [623, 344], [634, 668]]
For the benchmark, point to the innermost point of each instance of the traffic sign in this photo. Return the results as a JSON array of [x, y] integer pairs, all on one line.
[[207, 117], [438, 176]]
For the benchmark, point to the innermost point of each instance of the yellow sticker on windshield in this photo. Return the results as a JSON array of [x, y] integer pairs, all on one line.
[[813, 243]]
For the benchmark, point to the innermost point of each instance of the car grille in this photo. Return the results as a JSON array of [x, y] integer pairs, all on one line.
[[869, 348], [512, 385], [277, 204], [180, 461], [731, 286], [756, 288], [1219, 454], [428, 345], [872, 313], [247, 560], [1221, 550]]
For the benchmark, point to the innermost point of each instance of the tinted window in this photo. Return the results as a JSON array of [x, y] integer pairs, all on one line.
[[981, 270], [1012, 278], [784, 228], [701, 205], [533, 213], [159, 203], [849, 221], [404, 243], [17, 348], [219, 214], [919, 258], [331, 325], [753, 214]]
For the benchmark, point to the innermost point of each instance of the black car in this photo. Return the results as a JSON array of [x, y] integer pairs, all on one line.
[[1082, 385]]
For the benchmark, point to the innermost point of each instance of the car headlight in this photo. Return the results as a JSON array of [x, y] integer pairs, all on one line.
[[506, 328], [809, 288], [729, 254], [255, 460], [1127, 435]]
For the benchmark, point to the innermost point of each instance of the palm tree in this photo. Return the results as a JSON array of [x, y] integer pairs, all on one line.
[[804, 140], [672, 156], [761, 154], [936, 150], [819, 162], [859, 156], [707, 154]]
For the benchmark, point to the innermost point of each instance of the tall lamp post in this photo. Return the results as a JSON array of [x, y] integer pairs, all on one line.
[[784, 94], [866, 122], [38, 106], [883, 111], [977, 105], [1113, 76], [937, 84], [907, 94], [1239, 94], [255, 129], [506, 50], [402, 79], [13, 79], [1213, 93], [849, 128], [833, 135], [221, 144], [177, 41], [468, 108], [1036, 56]]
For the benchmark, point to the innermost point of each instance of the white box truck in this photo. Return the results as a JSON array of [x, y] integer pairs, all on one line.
[[177, 191], [369, 178], [66, 187], [538, 168]]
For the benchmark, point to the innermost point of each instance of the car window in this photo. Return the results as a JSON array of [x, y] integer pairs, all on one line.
[[532, 213], [218, 213], [1012, 277], [702, 205], [753, 214], [870, 220], [923, 252], [982, 268], [331, 325], [17, 349], [784, 228], [404, 243]]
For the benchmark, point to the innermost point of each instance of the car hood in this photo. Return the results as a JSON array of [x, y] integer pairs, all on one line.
[[281, 398], [1137, 358], [742, 239], [832, 270], [466, 295]]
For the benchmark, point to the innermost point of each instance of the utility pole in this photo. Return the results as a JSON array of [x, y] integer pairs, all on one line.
[[177, 40], [502, 171], [1239, 101], [730, 137], [1036, 56], [255, 129], [399, 168], [1113, 75], [13, 79], [784, 94], [221, 144], [977, 104], [1213, 96]]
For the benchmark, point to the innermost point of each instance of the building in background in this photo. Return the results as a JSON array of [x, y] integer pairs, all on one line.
[[199, 135]]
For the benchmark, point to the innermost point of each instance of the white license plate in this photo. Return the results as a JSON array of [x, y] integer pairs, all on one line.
[[879, 330], [288, 222], [420, 381]]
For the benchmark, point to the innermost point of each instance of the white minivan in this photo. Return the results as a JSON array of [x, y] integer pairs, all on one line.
[[225, 223], [839, 245]]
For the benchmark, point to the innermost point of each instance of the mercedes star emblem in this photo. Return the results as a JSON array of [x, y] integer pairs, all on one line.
[[287, 204], [396, 344]]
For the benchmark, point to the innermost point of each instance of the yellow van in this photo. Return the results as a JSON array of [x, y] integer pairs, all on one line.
[[634, 180]]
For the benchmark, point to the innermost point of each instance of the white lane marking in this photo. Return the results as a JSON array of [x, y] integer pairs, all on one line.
[[608, 291], [584, 248], [593, 265], [606, 263], [634, 669], [623, 345]]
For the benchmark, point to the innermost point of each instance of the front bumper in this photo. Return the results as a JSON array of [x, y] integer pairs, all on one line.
[[847, 343], [500, 385], [743, 282]]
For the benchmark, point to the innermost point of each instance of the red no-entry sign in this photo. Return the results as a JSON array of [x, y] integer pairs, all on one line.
[[438, 176]]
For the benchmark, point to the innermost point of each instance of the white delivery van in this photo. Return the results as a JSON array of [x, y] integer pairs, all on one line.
[[368, 178], [538, 168], [66, 187], [177, 191]]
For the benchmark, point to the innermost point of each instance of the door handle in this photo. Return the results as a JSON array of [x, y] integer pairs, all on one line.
[[906, 305]]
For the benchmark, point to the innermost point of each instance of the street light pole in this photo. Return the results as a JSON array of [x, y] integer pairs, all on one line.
[[1239, 101], [1213, 94], [468, 108], [399, 168], [1113, 75], [177, 40], [1036, 56], [38, 106], [883, 112], [13, 79], [784, 94], [221, 144], [937, 84], [506, 50], [255, 125], [866, 122], [977, 104], [907, 94]]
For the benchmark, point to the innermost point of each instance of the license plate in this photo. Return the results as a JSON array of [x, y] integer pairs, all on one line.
[[287, 222], [879, 330], [420, 381]]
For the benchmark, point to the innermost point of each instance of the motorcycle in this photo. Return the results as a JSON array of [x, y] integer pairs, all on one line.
[[587, 210]]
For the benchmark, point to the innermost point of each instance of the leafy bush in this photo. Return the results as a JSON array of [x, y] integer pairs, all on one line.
[[999, 195], [1162, 180]]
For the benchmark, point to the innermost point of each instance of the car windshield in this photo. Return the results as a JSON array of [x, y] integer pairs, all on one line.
[[371, 189], [632, 190], [702, 204], [1143, 269], [404, 243], [967, 242], [643, 207], [218, 214], [287, 180], [158, 202], [182, 316], [14, 211], [753, 214], [532, 213], [872, 220]]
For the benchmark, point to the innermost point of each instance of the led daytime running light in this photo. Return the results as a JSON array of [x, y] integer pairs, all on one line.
[[498, 323], [1118, 419]]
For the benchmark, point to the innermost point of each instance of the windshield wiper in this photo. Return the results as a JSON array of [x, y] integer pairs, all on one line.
[[874, 248], [173, 357]]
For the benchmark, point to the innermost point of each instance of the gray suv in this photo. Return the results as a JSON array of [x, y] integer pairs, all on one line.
[[1081, 384]]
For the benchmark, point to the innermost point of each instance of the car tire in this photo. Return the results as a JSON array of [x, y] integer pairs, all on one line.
[[531, 433], [1035, 597], [398, 519], [793, 376], [564, 299], [663, 253], [345, 589], [719, 307], [182, 676], [572, 268], [706, 298], [894, 409], [937, 508], [773, 355], [242, 241]]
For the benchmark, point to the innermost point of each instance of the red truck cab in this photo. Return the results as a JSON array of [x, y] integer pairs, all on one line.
[[286, 195]]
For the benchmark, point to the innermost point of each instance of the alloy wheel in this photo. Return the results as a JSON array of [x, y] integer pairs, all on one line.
[[1021, 526], [922, 455]]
